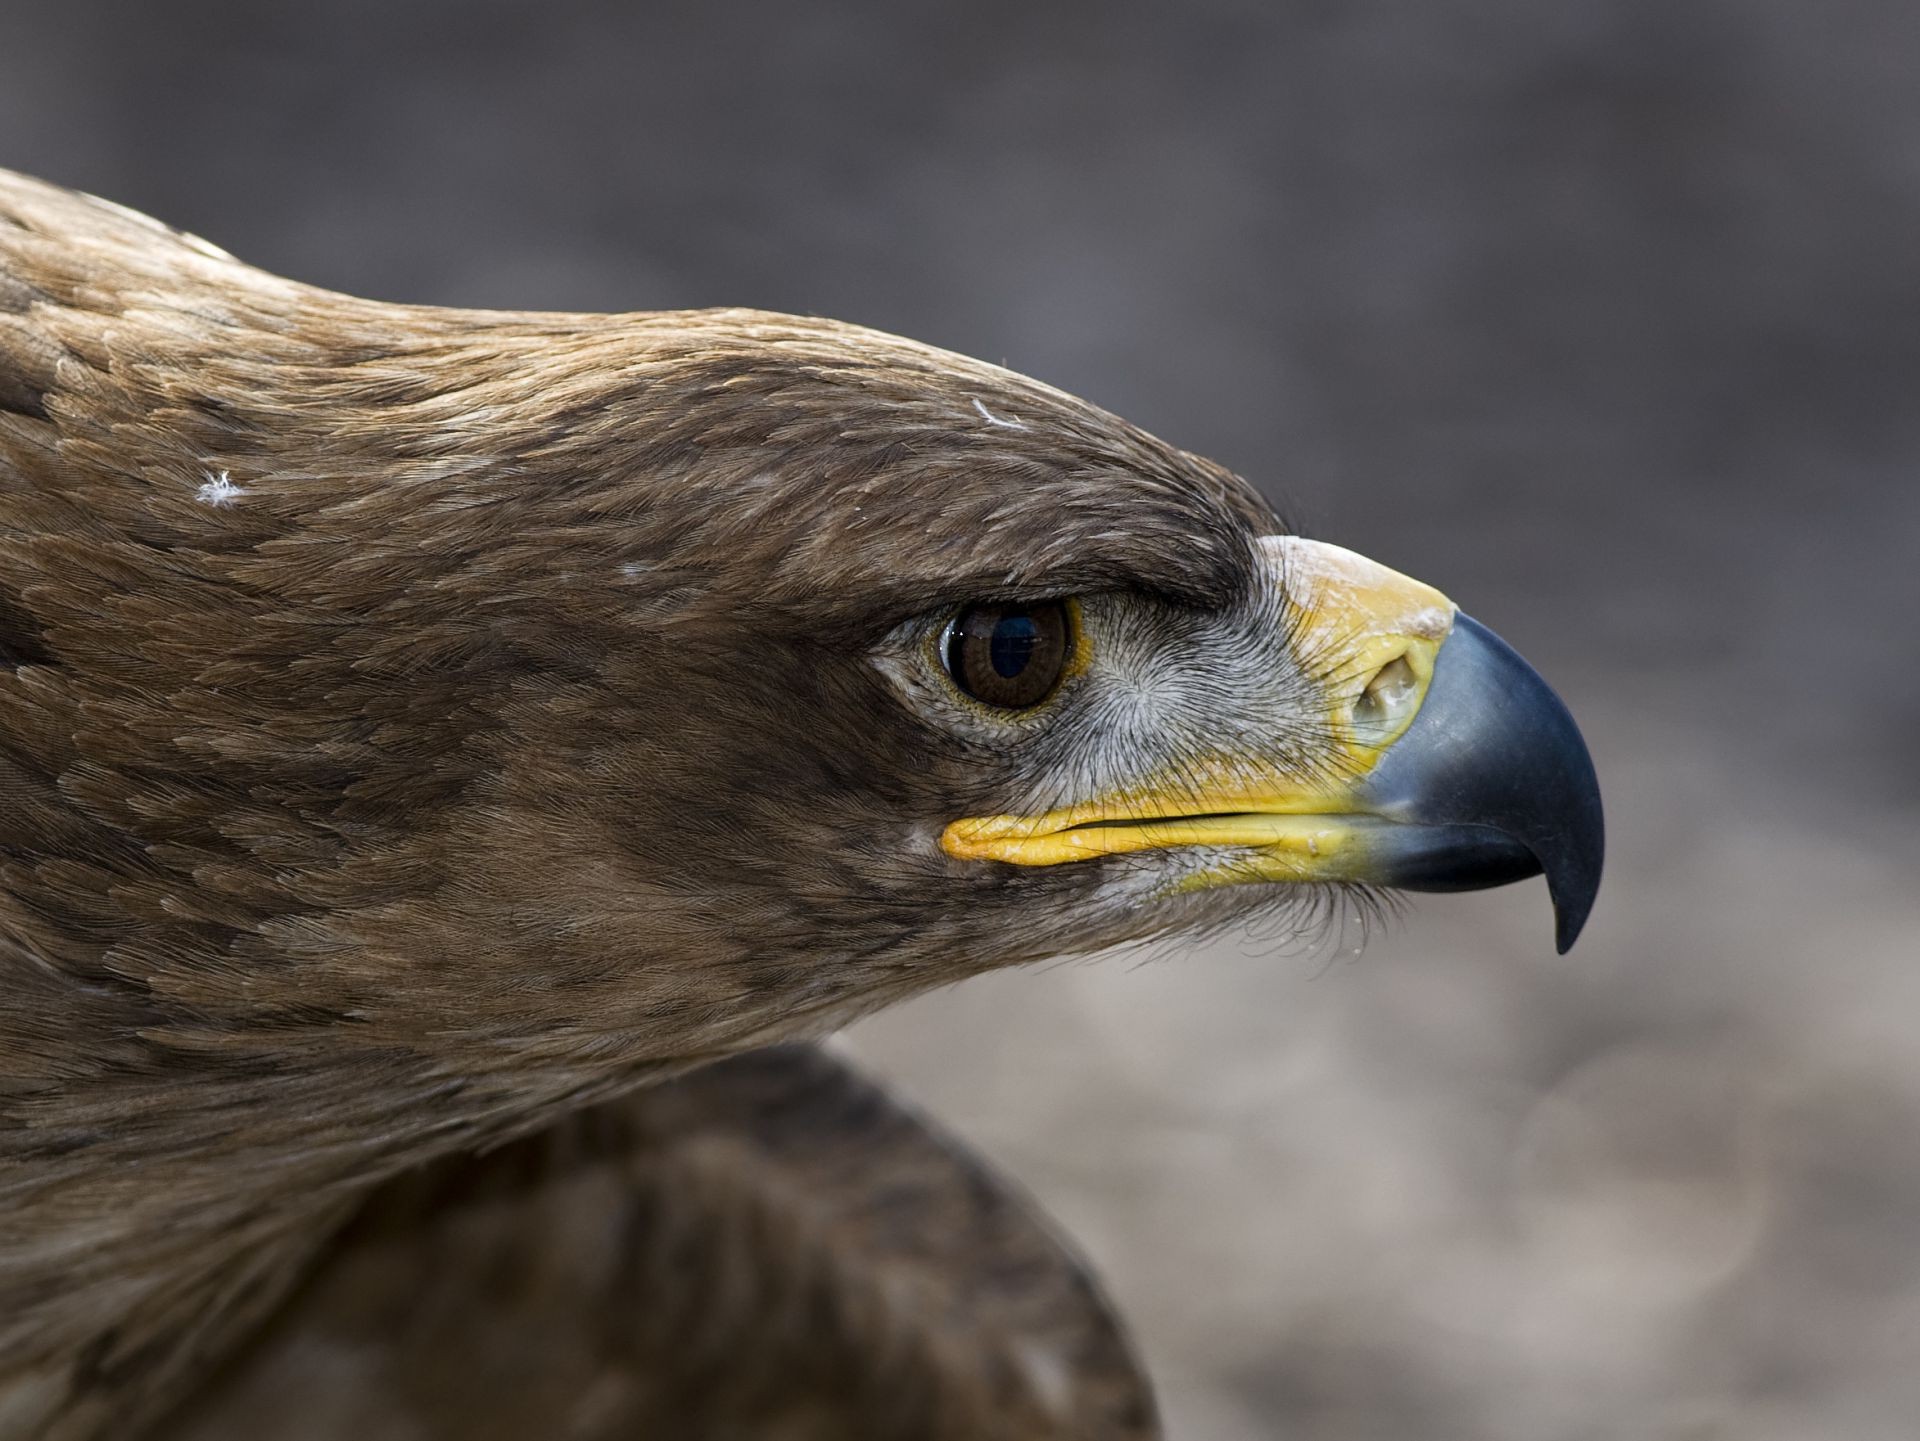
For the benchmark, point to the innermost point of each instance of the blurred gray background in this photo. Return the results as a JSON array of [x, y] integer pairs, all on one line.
[[1603, 315]]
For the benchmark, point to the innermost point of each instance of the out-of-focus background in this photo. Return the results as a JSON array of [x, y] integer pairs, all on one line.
[[1603, 315]]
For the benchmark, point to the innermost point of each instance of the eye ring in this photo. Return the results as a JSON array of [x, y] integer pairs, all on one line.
[[1009, 656]]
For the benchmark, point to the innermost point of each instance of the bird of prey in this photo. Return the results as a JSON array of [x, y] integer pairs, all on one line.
[[454, 764]]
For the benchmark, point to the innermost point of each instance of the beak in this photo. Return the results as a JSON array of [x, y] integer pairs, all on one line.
[[1457, 767], [1491, 783]]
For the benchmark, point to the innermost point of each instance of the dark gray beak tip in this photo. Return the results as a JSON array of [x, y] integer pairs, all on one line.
[[1546, 796], [1572, 904], [1494, 783], [1574, 881]]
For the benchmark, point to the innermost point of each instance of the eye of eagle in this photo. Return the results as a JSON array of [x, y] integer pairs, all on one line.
[[1010, 657]]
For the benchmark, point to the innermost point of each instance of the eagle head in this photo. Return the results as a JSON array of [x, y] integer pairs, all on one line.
[[842, 666], [504, 689]]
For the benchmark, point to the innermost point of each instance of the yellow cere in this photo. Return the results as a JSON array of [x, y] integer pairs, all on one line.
[[1373, 630]]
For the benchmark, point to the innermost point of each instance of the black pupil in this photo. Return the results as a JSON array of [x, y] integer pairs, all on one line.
[[1010, 656], [1011, 647]]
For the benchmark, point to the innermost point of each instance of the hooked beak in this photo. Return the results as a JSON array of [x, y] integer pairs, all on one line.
[[1461, 768], [1491, 783]]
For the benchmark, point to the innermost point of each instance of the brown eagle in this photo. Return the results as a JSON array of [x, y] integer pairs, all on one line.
[[429, 737]]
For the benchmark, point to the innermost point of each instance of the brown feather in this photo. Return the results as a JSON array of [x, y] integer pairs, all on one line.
[[768, 1248]]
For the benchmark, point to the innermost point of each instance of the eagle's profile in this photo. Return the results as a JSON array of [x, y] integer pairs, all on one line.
[[422, 729]]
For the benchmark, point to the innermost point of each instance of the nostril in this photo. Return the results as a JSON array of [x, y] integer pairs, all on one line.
[[1383, 701]]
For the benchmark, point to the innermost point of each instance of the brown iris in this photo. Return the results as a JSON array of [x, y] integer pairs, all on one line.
[[1009, 656]]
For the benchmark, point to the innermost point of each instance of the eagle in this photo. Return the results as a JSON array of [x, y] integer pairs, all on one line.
[[458, 766]]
